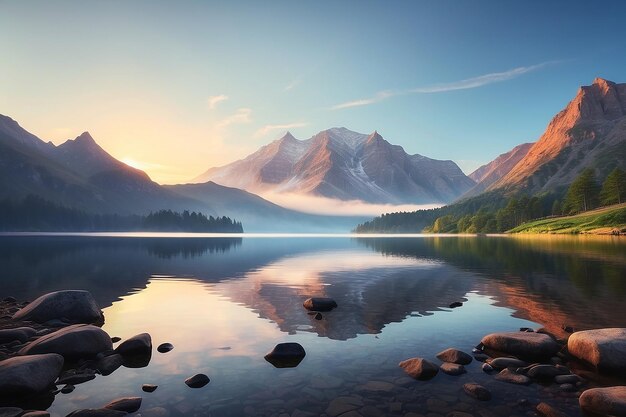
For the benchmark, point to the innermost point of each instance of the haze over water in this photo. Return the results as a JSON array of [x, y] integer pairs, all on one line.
[[225, 302]]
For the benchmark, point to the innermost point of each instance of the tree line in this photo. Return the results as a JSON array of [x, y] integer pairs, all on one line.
[[492, 212], [34, 213]]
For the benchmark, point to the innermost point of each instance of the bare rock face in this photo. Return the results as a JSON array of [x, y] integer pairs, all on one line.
[[72, 306], [603, 348], [522, 344], [604, 401], [72, 342], [22, 375], [419, 368]]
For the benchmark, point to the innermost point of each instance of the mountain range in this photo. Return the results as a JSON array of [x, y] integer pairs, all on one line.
[[341, 164], [590, 132]]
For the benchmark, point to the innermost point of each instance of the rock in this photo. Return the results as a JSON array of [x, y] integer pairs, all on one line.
[[29, 374], [165, 347], [605, 349], [36, 413], [318, 316], [501, 363], [286, 355], [127, 404], [481, 357], [487, 368], [197, 381], [67, 389], [72, 342], [109, 364], [342, 405], [21, 334], [604, 401], [522, 344], [454, 356], [97, 412], [10, 412], [72, 306], [319, 304], [568, 387], [477, 391], [76, 379], [419, 368], [115, 339], [149, 387], [546, 410], [138, 345], [567, 379], [453, 369], [456, 304], [545, 372], [511, 377], [377, 386]]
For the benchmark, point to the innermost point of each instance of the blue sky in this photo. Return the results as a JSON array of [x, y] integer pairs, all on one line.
[[177, 87]]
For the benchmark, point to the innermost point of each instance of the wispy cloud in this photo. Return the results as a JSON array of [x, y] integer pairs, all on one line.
[[241, 116], [269, 128], [465, 84], [293, 84], [213, 101]]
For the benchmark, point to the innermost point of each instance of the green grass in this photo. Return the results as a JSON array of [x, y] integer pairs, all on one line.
[[600, 221]]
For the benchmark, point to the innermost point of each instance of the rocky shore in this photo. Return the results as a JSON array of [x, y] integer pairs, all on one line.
[[54, 343]]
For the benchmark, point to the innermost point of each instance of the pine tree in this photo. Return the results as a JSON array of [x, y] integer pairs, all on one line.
[[614, 187], [582, 194]]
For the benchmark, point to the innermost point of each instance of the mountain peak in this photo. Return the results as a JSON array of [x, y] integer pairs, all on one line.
[[602, 82], [85, 137]]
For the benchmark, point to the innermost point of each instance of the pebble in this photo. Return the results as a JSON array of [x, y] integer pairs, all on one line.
[[149, 387], [197, 381], [165, 347]]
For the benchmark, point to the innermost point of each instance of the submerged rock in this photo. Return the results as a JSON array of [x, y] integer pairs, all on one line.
[[477, 391], [511, 377], [501, 363], [454, 356], [286, 355], [609, 401], [546, 410], [453, 369], [22, 375], [72, 306], [319, 304], [73, 342], [522, 344], [197, 381], [605, 349], [419, 368], [127, 404]]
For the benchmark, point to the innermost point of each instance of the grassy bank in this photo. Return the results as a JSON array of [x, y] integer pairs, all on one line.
[[605, 220]]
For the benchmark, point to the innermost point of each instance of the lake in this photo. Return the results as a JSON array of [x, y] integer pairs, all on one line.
[[224, 302]]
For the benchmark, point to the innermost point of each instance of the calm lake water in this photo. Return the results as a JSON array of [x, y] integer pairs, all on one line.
[[225, 302]]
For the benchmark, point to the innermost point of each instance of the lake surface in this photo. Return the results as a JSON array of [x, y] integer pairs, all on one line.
[[225, 302]]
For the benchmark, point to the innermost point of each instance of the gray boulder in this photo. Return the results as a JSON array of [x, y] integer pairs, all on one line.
[[23, 375], [419, 368], [454, 356], [73, 306], [522, 344], [72, 342], [609, 401], [21, 334], [603, 348], [138, 345]]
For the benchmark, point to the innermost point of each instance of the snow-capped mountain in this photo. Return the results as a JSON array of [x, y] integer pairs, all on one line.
[[346, 165]]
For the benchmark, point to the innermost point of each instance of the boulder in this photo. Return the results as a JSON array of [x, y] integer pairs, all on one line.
[[609, 401], [29, 374], [149, 387], [197, 381], [453, 369], [21, 334], [109, 364], [36, 413], [522, 344], [507, 375], [545, 372], [71, 306], [138, 345], [454, 356], [419, 368], [546, 410], [477, 391], [319, 304], [127, 404], [286, 355], [605, 349], [501, 363], [567, 379], [72, 342]]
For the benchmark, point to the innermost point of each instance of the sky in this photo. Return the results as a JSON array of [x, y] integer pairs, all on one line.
[[174, 88]]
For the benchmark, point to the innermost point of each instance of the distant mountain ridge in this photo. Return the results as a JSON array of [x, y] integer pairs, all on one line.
[[342, 164]]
